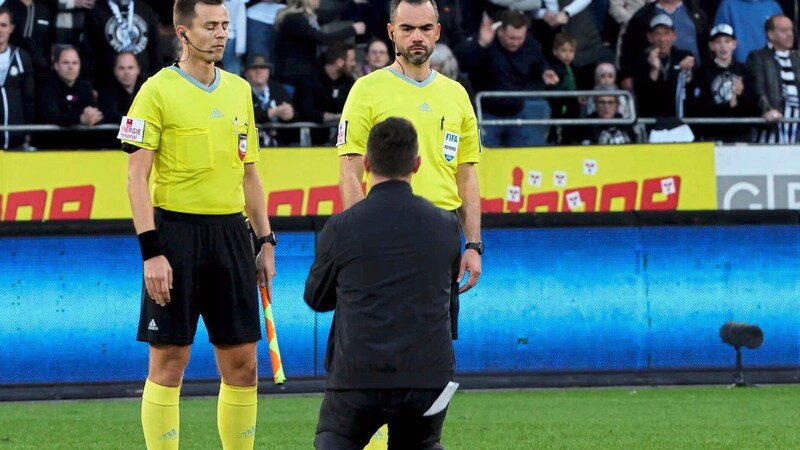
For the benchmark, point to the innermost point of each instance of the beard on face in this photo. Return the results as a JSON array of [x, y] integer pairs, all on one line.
[[417, 58]]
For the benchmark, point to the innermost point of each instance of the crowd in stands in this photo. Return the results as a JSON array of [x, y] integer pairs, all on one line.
[[81, 62]]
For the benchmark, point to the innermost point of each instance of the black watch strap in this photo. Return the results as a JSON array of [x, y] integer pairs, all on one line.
[[269, 239], [477, 246]]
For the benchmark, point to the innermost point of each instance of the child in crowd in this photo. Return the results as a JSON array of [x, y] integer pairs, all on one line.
[[605, 76], [564, 46], [719, 88]]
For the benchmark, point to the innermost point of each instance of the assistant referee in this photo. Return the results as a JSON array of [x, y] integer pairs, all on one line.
[[193, 126]]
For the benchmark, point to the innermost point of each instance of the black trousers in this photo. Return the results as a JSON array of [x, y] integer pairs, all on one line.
[[349, 418]]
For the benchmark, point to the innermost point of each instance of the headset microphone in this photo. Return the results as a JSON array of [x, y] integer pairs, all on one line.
[[396, 53], [183, 33]]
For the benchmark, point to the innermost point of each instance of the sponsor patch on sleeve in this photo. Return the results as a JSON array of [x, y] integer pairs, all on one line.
[[131, 129], [341, 135]]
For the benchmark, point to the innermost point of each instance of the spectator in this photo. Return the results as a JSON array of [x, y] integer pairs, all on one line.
[[322, 100], [444, 61], [261, 33], [662, 72], [70, 101], [35, 33], [70, 20], [690, 29], [372, 13], [605, 76], [575, 18], [271, 102], [719, 88], [747, 17], [116, 26], [115, 100], [607, 108], [236, 46], [508, 60], [565, 107], [298, 37], [772, 78], [376, 56], [622, 11], [451, 19], [16, 84]]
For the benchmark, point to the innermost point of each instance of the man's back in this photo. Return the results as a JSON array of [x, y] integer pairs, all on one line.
[[390, 261]]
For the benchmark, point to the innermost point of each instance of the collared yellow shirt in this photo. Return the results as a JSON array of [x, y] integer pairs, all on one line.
[[442, 114], [202, 136]]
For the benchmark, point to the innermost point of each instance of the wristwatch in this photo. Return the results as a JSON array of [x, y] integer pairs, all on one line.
[[477, 246], [268, 239]]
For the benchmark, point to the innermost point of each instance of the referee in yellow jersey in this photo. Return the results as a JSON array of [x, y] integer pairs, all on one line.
[[440, 109], [192, 125]]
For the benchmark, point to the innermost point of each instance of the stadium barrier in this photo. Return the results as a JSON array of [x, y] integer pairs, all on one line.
[[561, 293]]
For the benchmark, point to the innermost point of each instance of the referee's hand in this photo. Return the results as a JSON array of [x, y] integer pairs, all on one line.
[[158, 279], [470, 262], [265, 268]]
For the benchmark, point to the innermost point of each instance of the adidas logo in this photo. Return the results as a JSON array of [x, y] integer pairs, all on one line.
[[152, 326], [216, 114], [424, 107], [170, 435], [250, 433]]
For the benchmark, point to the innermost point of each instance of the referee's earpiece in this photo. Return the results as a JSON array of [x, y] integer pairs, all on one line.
[[396, 53]]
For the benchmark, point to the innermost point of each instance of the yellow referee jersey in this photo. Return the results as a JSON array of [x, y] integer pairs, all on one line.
[[202, 136], [441, 112]]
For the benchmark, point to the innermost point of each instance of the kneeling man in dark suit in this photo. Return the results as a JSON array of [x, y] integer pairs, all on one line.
[[386, 267]]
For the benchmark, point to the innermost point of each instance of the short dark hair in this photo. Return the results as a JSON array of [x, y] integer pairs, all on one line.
[[564, 38], [396, 3], [184, 10], [769, 25], [392, 148], [512, 18], [61, 48], [338, 51], [120, 54], [5, 10]]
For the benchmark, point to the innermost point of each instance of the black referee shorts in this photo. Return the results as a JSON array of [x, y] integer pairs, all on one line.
[[214, 275]]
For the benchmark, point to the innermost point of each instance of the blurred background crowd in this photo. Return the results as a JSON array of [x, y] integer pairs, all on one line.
[[81, 62]]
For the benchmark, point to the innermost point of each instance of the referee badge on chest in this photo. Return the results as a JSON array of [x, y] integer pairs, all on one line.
[[450, 145], [242, 146]]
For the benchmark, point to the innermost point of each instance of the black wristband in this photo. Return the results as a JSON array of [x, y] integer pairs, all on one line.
[[150, 245]]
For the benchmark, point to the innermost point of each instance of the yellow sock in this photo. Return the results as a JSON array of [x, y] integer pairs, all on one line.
[[380, 440], [236, 417], [160, 416]]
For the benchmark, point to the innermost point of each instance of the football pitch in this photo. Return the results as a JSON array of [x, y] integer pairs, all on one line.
[[614, 418]]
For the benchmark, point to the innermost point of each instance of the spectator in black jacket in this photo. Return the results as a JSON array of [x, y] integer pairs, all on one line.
[[115, 26], [115, 100], [508, 60], [16, 84], [299, 35], [662, 71], [607, 108], [271, 101], [322, 100], [70, 101], [34, 34], [719, 89], [690, 25], [389, 353]]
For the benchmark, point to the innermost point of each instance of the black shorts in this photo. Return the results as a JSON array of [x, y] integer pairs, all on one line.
[[349, 418], [214, 275]]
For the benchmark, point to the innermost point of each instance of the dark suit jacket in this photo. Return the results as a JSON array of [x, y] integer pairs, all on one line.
[[763, 81], [386, 266]]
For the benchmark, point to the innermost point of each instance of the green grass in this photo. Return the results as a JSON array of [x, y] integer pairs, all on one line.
[[632, 418]]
